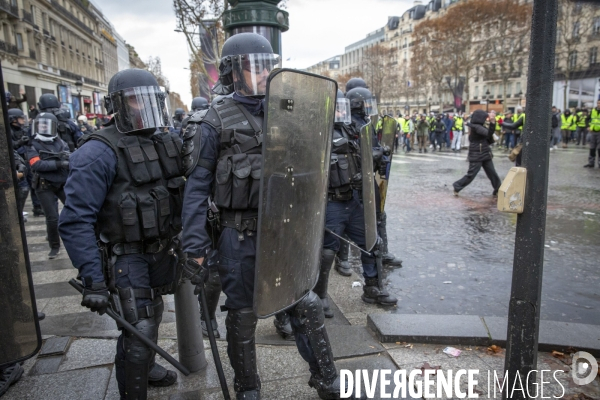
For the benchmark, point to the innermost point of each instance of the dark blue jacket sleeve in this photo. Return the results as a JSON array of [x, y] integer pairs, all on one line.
[[39, 165], [195, 201], [92, 170], [76, 131]]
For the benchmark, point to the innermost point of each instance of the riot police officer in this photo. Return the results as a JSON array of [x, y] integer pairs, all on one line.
[[229, 132], [177, 120], [131, 205], [198, 104], [48, 157], [20, 139], [362, 105], [68, 130]]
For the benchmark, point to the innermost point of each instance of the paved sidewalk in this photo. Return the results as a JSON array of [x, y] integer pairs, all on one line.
[[82, 366]]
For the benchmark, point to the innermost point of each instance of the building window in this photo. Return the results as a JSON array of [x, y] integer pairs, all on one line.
[[596, 26], [572, 59], [19, 41], [556, 62], [508, 88], [476, 91], [593, 55], [518, 88], [576, 30], [44, 21], [32, 10]]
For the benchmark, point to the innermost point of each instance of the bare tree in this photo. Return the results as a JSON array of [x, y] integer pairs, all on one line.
[[375, 68], [576, 21]]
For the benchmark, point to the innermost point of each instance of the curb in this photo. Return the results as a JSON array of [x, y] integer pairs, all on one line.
[[480, 331]]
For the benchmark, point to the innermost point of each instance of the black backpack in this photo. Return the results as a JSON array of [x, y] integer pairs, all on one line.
[[554, 120]]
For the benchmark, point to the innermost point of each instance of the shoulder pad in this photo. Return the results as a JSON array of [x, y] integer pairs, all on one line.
[[190, 150], [197, 117]]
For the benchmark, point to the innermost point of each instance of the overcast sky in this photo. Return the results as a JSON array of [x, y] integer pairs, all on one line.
[[319, 29]]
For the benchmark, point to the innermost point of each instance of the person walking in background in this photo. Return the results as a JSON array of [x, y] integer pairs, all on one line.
[[582, 126], [422, 133], [439, 129], [594, 123], [457, 131], [567, 126], [448, 121], [482, 128], [33, 112], [555, 129]]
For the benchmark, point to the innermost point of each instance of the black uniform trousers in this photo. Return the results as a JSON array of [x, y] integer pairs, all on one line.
[[47, 193], [474, 168], [236, 268]]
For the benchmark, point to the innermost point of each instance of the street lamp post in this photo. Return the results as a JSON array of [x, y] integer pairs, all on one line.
[[78, 87], [487, 100], [520, 94]]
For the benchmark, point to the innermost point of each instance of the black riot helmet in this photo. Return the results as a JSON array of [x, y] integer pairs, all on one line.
[[199, 103], [13, 116], [342, 109], [354, 83], [179, 114], [63, 114], [362, 101], [246, 61], [48, 101], [45, 124], [137, 103]]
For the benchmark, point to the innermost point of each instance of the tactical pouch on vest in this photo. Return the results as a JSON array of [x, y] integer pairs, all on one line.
[[147, 214], [238, 181], [176, 187], [131, 223], [162, 209], [168, 147], [142, 159], [339, 174]]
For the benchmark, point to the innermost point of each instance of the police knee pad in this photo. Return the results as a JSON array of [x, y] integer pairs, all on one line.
[[241, 348], [135, 350], [309, 312]]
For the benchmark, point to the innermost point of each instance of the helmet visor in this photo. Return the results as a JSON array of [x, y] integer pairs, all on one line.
[[44, 127], [371, 106], [250, 72], [342, 111], [142, 107]]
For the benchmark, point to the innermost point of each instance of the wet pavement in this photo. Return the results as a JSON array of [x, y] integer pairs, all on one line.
[[458, 251]]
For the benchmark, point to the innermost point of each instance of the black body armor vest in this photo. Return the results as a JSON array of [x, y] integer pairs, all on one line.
[[238, 170], [344, 173], [66, 134], [144, 202]]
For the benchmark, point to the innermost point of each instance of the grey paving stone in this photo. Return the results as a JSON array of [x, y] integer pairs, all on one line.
[[46, 365], [78, 324], [55, 345], [112, 391], [352, 341], [443, 329], [57, 289], [497, 327], [88, 384], [85, 353], [279, 362]]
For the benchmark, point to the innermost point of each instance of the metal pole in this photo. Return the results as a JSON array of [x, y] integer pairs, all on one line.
[[189, 329], [524, 307]]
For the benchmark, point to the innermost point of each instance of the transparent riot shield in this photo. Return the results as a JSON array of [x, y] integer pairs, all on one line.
[[368, 185], [19, 330], [297, 134], [389, 127]]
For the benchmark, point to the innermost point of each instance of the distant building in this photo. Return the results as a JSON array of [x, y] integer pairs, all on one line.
[[329, 67], [122, 53]]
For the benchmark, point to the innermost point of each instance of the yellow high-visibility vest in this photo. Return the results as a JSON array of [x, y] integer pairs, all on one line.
[[568, 123]]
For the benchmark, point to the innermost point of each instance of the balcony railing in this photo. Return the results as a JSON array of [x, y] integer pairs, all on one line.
[[9, 48], [32, 54], [496, 76], [10, 9], [71, 17], [27, 17], [45, 32]]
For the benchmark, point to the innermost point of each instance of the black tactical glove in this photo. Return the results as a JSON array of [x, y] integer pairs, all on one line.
[[382, 168], [96, 297], [62, 164], [196, 273], [23, 141]]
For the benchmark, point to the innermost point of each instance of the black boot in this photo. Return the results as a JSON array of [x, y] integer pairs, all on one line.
[[212, 290], [9, 376], [320, 289], [241, 349], [38, 212], [159, 376], [332, 390], [284, 326], [373, 294], [387, 258], [342, 266]]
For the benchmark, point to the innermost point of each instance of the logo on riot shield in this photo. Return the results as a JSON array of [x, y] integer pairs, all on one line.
[[368, 185], [297, 134]]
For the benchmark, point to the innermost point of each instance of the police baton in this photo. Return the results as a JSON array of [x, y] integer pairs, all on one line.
[[133, 330], [213, 342]]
